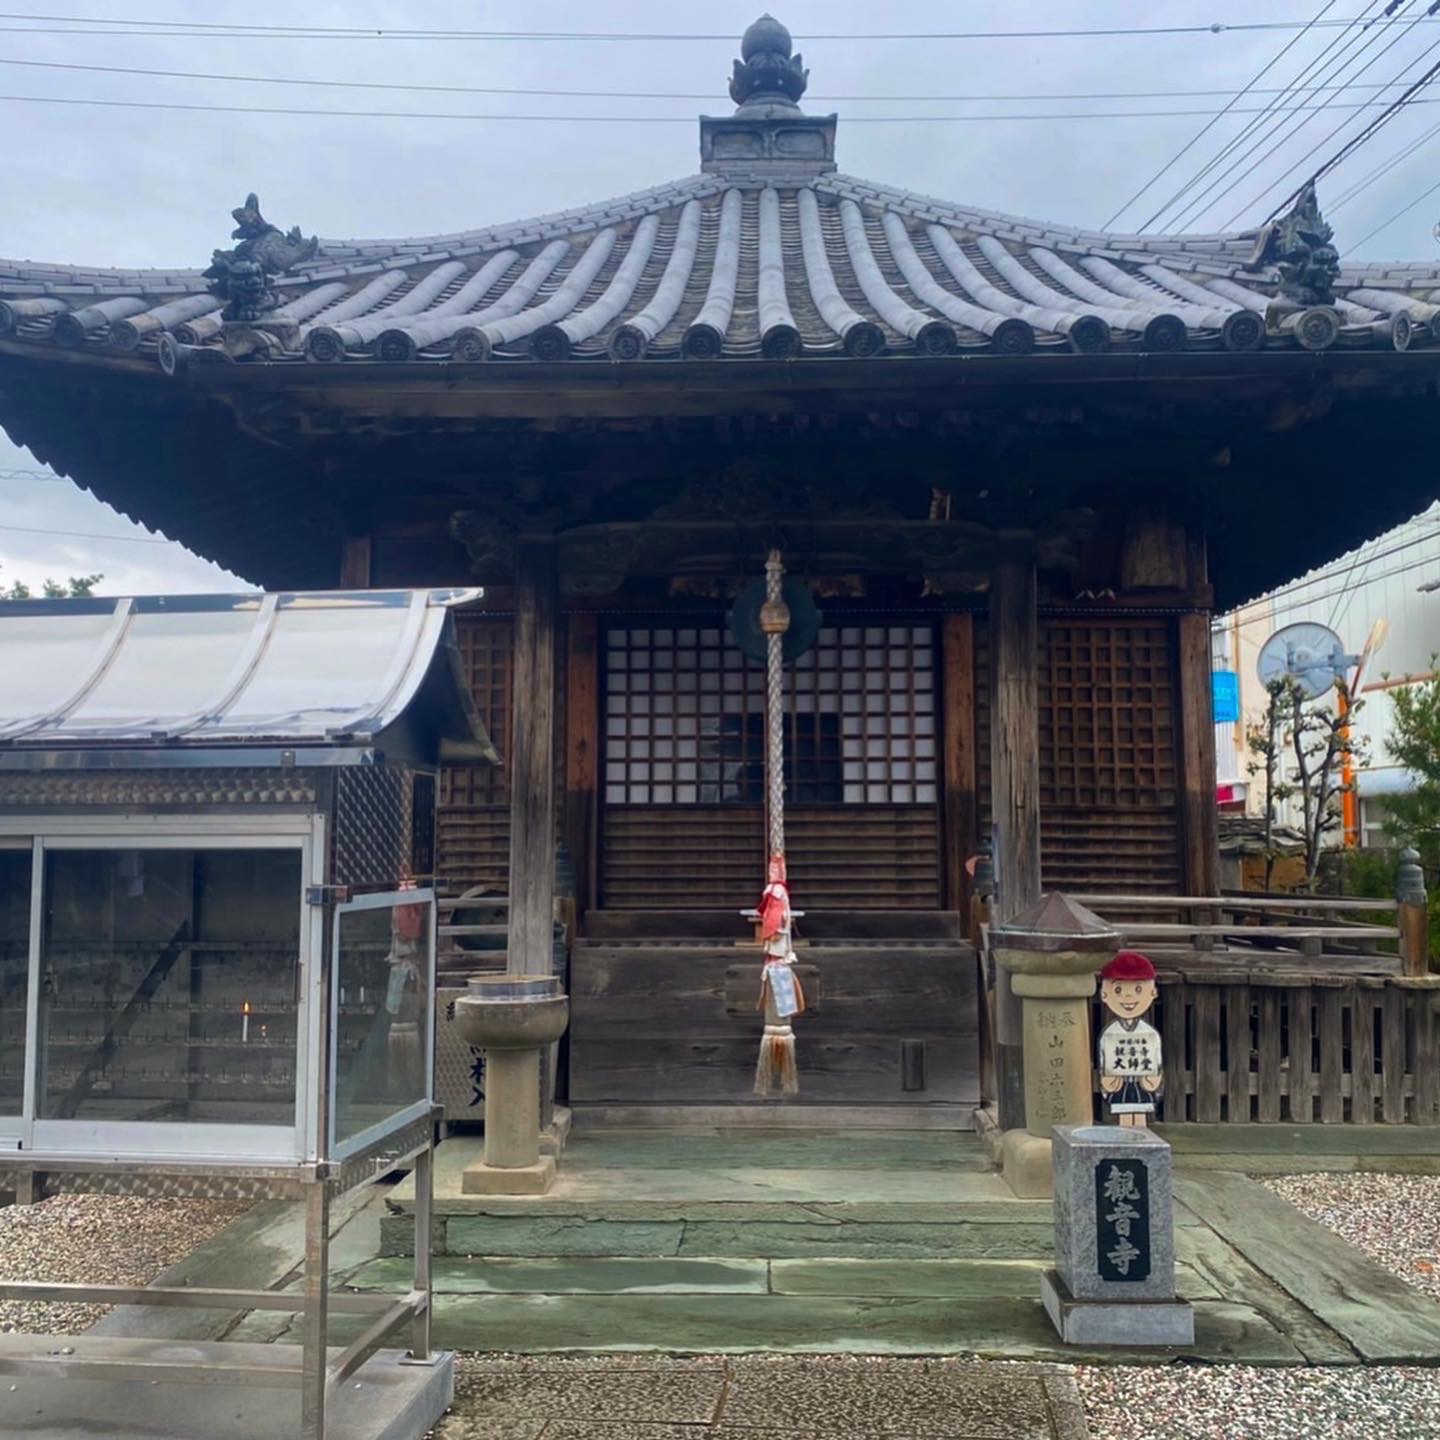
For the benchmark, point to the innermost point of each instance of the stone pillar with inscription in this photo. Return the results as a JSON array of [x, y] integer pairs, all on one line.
[[1114, 1276], [1051, 950]]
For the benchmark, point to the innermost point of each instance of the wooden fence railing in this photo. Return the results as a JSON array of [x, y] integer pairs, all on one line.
[[1309, 930], [1293, 1009], [1259, 1046]]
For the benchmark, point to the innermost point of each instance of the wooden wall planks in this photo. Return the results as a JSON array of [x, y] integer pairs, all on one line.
[[695, 857], [651, 1025]]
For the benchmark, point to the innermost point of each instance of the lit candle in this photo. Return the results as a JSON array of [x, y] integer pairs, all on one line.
[[245, 1023]]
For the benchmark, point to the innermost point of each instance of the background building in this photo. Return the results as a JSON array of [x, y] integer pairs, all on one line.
[[1392, 580]]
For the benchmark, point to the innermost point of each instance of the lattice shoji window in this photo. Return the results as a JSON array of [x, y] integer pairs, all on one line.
[[685, 718], [1107, 716]]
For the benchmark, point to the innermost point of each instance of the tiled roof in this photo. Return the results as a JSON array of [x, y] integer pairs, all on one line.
[[731, 266], [769, 252]]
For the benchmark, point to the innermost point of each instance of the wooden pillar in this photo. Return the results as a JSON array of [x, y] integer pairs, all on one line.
[[957, 655], [582, 749], [1014, 797], [1201, 842], [532, 762], [1412, 914], [355, 554]]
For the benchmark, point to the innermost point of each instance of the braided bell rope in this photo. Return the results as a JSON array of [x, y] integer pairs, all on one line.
[[775, 713]]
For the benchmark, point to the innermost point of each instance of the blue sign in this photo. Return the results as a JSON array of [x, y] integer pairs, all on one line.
[[1226, 689]]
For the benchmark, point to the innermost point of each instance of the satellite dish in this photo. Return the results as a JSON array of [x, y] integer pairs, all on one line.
[[1308, 654], [805, 620]]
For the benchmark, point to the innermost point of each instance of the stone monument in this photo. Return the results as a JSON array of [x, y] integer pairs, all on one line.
[[1114, 1276], [1052, 951]]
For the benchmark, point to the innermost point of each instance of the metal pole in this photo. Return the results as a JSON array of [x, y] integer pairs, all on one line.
[[424, 1205], [314, 1365]]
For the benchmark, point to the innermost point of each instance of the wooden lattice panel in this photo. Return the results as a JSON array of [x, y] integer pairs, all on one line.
[[1109, 767], [1107, 715], [474, 828]]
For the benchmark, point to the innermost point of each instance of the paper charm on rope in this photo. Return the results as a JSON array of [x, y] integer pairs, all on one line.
[[781, 997]]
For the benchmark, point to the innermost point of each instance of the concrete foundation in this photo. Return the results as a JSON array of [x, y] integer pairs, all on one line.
[[1129, 1323], [536, 1179], [386, 1399]]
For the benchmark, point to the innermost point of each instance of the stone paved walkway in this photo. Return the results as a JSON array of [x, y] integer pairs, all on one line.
[[759, 1398], [725, 1244]]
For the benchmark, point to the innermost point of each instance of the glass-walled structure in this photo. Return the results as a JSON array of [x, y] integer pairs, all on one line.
[[218, 943], [217, 933], [161, 984]]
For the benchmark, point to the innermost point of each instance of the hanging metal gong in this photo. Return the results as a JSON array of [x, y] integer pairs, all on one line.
[[805, 619]]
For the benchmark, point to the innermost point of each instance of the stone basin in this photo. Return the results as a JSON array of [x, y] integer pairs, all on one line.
[[512, 1012]]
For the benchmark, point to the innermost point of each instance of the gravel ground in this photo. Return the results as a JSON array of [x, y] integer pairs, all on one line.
[[1394, 1219], [97, 1238], [1240, 1402]]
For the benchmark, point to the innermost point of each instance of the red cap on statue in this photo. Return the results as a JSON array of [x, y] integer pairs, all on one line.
[[1129, 965]]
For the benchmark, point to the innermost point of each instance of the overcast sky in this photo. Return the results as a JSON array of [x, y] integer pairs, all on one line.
[[154, 187]]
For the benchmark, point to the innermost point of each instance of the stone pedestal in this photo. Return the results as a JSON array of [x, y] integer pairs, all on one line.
[[512, 1019], [1114, 1276], [1051, 953]]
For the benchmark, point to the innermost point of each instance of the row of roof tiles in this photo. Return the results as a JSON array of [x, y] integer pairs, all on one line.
[[711, 268]]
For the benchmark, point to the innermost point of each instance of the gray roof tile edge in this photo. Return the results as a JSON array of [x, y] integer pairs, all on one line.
[[1021, 227]]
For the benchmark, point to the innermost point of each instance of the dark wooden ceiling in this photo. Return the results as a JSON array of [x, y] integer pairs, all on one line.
[[1284, 460]]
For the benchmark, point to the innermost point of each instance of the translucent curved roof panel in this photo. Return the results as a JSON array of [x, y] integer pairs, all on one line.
[[207, 669]]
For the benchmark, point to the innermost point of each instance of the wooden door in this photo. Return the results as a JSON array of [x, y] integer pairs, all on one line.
[[684, 776]]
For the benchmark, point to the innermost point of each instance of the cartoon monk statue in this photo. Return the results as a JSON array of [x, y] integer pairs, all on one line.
[[1130, 1072]]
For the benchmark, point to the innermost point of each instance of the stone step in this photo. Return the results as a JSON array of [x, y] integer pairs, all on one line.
[[715, 1322], [1002, 1231], [635, 1275]]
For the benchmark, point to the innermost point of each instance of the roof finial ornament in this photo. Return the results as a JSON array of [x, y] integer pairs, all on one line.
[[1298, 244], [241, 277], [767, 73]]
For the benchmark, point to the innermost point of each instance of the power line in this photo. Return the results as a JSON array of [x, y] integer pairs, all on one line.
[[701, 95], [1382, 169], [1316, 66], [1399, 214], [20, 473], [313, 111], [1349, 585], [87, 535], [1355, 141], [168, 29], [1331, 572], [1215, 119], [1278, 129]]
